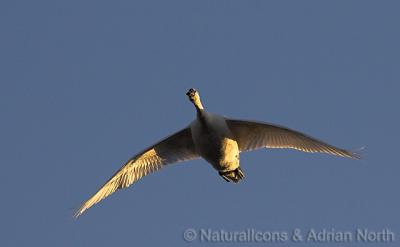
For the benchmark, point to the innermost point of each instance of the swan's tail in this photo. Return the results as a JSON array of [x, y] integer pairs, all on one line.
[[233, 176]]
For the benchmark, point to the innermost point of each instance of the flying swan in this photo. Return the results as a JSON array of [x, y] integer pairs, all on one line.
[[216, 139]]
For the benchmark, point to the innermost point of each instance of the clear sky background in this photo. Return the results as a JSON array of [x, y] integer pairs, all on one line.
[[84, 85]]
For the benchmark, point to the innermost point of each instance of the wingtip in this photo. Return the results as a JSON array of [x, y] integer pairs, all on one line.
[[76, 214], [358, 153], [356, 156], [79, 212]]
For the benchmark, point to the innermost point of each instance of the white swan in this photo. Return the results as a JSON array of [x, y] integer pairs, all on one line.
[[218, 140]]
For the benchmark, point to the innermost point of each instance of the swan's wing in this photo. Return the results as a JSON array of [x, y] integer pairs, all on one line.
[[253, 135], [175, 148]]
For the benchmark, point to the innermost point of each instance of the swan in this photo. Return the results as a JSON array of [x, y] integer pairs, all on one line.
[[218, 140]]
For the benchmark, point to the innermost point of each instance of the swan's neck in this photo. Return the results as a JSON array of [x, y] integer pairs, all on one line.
[[197, 103]]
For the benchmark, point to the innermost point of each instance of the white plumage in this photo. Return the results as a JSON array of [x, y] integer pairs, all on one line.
[[218, 140]]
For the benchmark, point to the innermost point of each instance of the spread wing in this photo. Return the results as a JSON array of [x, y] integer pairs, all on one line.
[[175, 148], [254, 135]]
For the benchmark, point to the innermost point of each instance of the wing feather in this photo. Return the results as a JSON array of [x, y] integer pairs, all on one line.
[[254, 135], [175, 148]]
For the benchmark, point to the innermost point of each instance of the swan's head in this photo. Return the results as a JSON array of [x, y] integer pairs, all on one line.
[[192, 94], [194, 97]]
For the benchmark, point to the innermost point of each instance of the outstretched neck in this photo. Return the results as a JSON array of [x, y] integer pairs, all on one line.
[[197, 103], [194, 97]]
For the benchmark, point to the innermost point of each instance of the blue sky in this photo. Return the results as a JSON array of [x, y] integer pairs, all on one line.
[[84, 85]]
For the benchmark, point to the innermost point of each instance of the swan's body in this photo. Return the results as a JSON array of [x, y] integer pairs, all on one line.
[[214, 141], [218, 140]]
